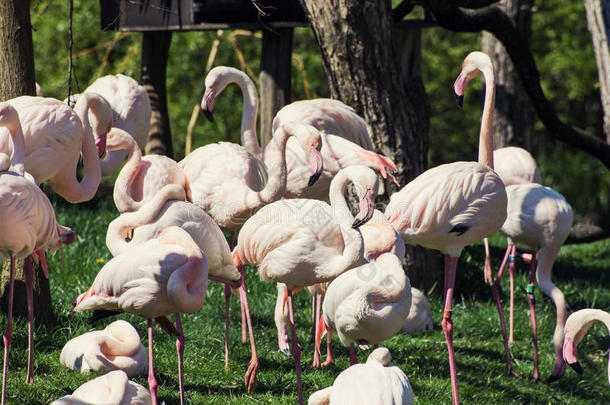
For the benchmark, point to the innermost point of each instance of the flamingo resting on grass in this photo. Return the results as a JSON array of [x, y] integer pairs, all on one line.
[[456, 204], [117, 347], [374, 382], [164, 275], [539, 220], [27, 228], [281, 237]]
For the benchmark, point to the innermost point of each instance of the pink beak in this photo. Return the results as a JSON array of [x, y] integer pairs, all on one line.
[[100, 145], [569, 355], [458, 88], [315, 165], [367, 207], [207, 103]]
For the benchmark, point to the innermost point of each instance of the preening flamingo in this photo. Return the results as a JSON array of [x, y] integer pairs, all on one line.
[[539, 220], [514, 165], [420, 315], [456, 204], [168, 208], [141, 177], [374, 382], [345, 137], [55, 137], [131, 106], [117, 347], [113, 388], [281, 237], [27, 227], [164, 275], [576, 328]]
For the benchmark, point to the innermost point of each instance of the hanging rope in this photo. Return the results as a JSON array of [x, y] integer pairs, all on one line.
[[70, 43]]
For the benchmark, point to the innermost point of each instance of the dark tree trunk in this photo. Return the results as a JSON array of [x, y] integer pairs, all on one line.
[[357, 45], [276, 60], [17, 79], [155, 50], [513, 121]]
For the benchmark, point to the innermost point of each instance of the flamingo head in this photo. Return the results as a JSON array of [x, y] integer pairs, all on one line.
[[310, 140], [475, 63], [215, 82], [118, 138], [366, 184], [7, 114]]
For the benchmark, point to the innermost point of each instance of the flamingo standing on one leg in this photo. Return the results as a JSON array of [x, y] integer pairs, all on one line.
[[577, 325], [131, 107], [456, 204], [55, 137], [539, 219], [27, 227], [141, 177], [153, 279], [302, 242]]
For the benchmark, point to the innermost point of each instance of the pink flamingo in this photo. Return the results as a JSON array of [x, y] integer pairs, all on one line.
[[514, 165], [113, 388], [539, 220], [27, 227], [281, 237], [153, 279], [131, 107], [456, 204], [345, 137], [374, 382], [141, 177], [576, 328], [54, 139], [168, 208], [117, 347]]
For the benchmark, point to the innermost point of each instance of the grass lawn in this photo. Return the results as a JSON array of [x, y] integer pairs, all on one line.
[[580, 272]]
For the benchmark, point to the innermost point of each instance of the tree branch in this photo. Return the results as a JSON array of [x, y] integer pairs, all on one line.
[[400, 11], [474, 3], [494, 20]]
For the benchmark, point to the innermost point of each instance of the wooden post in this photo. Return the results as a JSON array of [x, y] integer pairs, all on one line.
[[155, 50], [276, 59]]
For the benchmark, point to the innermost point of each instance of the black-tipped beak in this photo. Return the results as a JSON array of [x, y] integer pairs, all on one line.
[[459, 100], [209, 115], [577, 367], [313, 178], [357, 222], [74, 301]]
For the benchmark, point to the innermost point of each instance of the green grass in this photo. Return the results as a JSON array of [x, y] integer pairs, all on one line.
[[580, 272]]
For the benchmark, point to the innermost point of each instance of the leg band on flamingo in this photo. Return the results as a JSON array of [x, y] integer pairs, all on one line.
[[447, 314]]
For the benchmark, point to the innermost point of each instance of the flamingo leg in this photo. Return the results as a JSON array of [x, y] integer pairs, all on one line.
[[329, 352], [227, 298], [313, 318], [511, 273], [296, 350], [152, 382], [8, 332], [450, 269], [180, 350], [353, 359], [28, 271], [244, 333], [531, 299], [317, 304], [253, 366], [496, 293]]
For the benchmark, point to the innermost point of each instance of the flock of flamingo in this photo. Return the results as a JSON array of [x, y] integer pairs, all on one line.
[[284, 206]]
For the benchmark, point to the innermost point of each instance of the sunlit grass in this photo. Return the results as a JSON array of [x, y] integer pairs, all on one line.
[[580, 271]]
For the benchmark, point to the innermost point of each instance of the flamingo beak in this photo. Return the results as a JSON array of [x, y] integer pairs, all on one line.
[[315, 165], [570, 355], [207, 103], [458, 89], [367, 207], [100, 145]]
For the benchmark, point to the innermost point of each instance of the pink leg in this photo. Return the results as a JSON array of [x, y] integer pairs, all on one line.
[[531, 299], [329, 352], [313, 318], [450, 269], [180, 350], [496, 293], [152, 382], [296, 350], [227, 298], [244, 333], [28, 270], [253, 366], [317, 304], [353, 359], [8, 332], [511, 273]]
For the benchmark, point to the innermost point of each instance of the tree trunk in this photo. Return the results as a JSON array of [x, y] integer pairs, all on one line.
[[17, 79], [513, 121], [155, 51], [598, 27], [360, 59]]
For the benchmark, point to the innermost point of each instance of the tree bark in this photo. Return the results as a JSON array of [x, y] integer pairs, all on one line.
[[598, 27], [155, 51], [356, 41], [42, 292], [513, 121]]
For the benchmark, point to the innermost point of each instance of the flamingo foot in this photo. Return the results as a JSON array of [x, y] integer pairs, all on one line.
[[251, 372]]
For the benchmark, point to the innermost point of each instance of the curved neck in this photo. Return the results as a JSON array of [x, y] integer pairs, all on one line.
[[249, 139], [187, 285], [485, 136], [124, 198], [18, 156]]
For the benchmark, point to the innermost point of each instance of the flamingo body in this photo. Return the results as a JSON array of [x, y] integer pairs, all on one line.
[[516, 165], [420, 315]]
